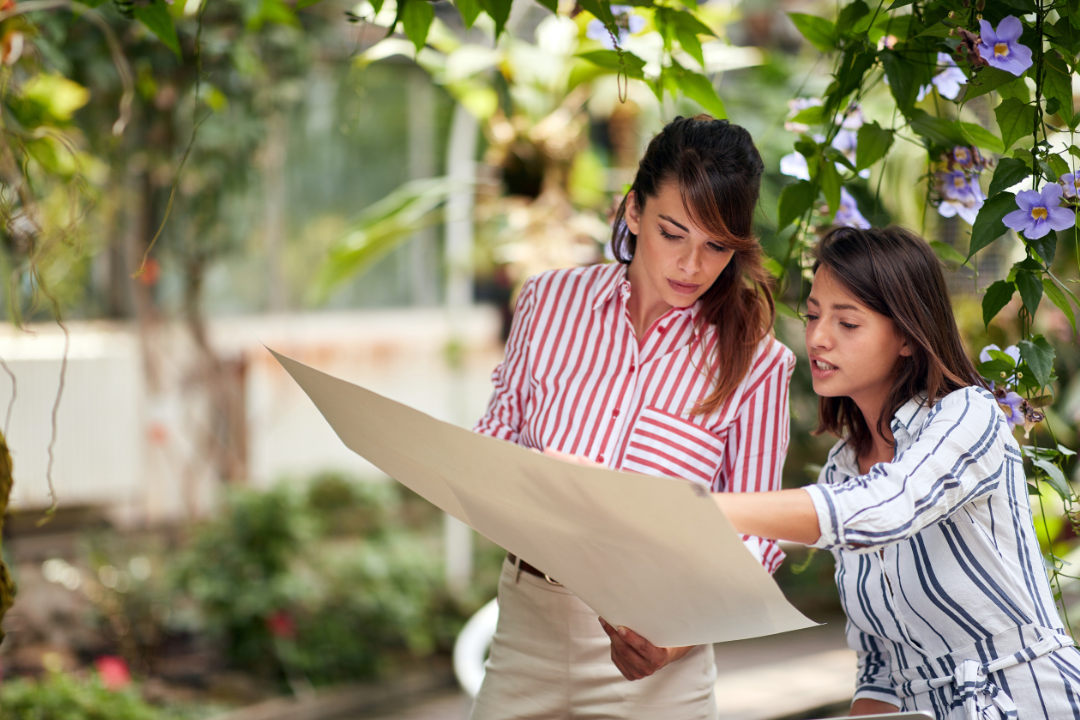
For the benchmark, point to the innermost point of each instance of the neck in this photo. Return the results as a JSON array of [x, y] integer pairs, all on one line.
[[645, 304], [881, 446]]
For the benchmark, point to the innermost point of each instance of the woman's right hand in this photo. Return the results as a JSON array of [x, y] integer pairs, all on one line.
[[866, 706]]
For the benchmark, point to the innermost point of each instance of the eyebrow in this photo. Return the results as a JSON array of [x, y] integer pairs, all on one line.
[[675, 223], [835, 306]]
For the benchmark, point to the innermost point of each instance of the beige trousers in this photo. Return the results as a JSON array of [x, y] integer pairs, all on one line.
[[551, 659]]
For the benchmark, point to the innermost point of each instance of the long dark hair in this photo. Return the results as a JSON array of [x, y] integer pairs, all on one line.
[[718, 170], [895, 273]]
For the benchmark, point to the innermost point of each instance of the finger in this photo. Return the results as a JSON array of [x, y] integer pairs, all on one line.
[[644, 647], [628, 670]]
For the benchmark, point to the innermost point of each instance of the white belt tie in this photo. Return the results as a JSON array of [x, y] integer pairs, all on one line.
[[973, 686]]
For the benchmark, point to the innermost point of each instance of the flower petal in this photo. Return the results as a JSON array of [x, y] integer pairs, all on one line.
[[1018, 220], [1009, 29], [1026, 199], [1051, 195], [984, 356], [1060, 218], [987, 32]]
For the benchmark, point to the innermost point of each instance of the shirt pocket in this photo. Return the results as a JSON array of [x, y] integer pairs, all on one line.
[[667, 445]]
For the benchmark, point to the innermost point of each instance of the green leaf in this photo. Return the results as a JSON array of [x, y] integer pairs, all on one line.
[[157, 20], [1056, 478], [997, 296], [1009, 172], [820, 32], [92, 3], [1058, 84], [301, 4], [981, 137], [996, 370], [813, 115], [416, 19], [629, 63], [830, 184], [552, 5], [469, 11], [988, 226], [937, 130], [599, 10], [1046, 247], [1030, 288], [689, 42], [873, 144], [849, 76], [1039, 356], [850, 15], [795, 201], [947, 253], [1058, 165], [988, 79], [903, 80], [700, 89], [1058, 298], [499, 10], [1015, 120]]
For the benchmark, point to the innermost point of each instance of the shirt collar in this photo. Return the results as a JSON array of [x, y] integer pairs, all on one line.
[[908, 419], [615, 281]]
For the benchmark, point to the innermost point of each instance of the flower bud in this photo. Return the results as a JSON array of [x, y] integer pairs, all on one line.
[[1019, 376], [980, 5]]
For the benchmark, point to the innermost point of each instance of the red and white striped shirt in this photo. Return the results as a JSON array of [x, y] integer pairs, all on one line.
[[574, 379]]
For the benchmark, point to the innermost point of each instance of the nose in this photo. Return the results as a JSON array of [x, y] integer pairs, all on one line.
[[690, 263], [817, 335]]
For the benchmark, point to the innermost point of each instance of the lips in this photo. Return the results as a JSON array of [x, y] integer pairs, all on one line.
[[820, 368], [683, 288]]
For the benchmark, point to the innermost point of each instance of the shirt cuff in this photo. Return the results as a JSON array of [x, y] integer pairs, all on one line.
[[828, 523], [874, 692]]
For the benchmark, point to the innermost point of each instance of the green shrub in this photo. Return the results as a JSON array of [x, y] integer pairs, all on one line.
[[62, 697]]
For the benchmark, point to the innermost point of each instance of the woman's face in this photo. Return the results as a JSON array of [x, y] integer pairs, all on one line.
[[674, 257], [853, 350]]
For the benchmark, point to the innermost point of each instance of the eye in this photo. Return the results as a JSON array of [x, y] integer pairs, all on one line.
[[666, 235], [809, 317], [717, 248], [849, 326]]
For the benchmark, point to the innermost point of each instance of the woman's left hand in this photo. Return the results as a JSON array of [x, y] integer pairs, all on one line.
[[635, 656]]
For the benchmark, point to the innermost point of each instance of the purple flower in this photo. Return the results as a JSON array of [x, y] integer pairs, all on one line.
[[627, 22], [1012, 351], [848, 213], [1000, 49], [948, 81], [1070, 185], [795, 166], [959, 196], [1010, 403], [1039, 213]]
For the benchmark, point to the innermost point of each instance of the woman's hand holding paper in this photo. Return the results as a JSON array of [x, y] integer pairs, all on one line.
[[635, 656]]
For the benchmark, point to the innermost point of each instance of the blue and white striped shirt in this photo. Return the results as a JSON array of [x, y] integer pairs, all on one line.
[[939, 570]]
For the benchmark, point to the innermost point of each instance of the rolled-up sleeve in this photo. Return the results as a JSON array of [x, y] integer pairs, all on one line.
[[758, 441], [872, 679], [956, 458], [506, 409]]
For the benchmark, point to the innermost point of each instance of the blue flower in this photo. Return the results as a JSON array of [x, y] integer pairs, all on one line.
[[948, 81], [625, 20], [794, 165], [1000, 49], [1070, 185], [848, 213], [959, 196], [1010, 404], [1039, 213]]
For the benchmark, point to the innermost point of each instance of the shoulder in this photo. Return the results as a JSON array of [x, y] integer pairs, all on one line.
[[569, 283], [839, 465], [972, 404]]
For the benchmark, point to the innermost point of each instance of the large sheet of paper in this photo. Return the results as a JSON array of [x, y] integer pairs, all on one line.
[[654, 554]]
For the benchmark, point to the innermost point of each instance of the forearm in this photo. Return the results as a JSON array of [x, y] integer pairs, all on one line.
[[783, 515], [866, 706]]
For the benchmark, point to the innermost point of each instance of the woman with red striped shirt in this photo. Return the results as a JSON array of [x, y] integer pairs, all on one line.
[[663, 364]]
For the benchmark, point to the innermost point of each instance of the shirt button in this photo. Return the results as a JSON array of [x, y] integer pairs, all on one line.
[[615, 412], [600, 459], [660, 329], [633, 367]]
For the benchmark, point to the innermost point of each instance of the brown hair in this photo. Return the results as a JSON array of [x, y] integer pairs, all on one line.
[[895, 273], [718, 170]]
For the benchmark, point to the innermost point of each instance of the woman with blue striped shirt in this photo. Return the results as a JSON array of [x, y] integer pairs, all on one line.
[[923, 502]]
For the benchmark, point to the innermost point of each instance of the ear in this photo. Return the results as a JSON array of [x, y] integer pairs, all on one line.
[[633, 213], [905, 348]]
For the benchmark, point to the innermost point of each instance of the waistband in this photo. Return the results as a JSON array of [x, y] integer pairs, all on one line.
[[970, 677]]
